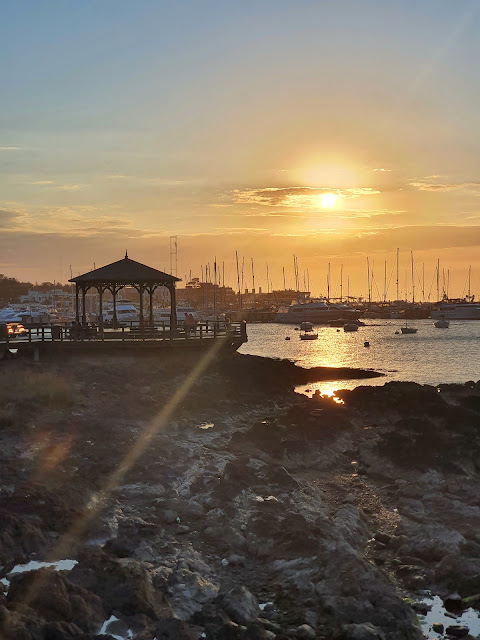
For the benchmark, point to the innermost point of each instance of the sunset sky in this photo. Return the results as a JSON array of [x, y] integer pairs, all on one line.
[[333, 130]]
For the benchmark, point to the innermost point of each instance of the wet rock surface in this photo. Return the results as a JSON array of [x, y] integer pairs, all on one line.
[[287, 517]]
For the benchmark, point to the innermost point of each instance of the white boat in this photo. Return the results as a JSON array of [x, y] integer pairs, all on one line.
[[316, 311], [457, 310], [162, 315], [442, 323], [306, 326], [350, 326], [126, 312]]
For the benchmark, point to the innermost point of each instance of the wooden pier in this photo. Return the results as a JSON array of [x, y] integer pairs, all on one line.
[[47, 340]]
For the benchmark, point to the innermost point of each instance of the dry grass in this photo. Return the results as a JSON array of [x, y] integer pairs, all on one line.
[[34, 388]]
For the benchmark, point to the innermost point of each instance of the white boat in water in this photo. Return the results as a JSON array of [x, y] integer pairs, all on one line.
[[457, 310], [125, 311], [317, 312], [442, 323]]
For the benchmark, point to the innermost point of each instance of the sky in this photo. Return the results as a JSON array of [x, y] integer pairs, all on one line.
[[333, 130]]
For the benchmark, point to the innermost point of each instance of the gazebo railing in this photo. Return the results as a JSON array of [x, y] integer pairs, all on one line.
[[158, 332]]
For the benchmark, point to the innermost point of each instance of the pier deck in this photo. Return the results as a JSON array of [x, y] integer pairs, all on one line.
[[62, 340]]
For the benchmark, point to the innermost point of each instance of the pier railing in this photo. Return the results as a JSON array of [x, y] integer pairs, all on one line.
[[202, 331]]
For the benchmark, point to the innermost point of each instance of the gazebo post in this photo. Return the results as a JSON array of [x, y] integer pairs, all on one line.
[[77, 310], [100, 310], [114, 292], [151, 306], [84, 311], [173, 309], [140, 291]]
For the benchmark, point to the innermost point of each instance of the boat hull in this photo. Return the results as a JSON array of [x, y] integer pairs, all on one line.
[[318, 317]]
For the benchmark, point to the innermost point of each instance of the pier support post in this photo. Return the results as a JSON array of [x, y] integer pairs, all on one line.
[[36, 354], [173, 310]]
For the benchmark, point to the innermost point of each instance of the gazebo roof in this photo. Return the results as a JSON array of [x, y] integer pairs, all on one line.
[[125, 271]]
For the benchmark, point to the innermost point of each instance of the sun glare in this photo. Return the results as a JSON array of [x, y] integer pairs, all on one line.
[[328, 200]]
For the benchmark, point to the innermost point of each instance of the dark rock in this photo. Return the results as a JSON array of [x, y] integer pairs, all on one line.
[[56, 599], [240, 605], [457, 631], [305, 632], [365, 631], [437, 627], [173, 629], [256, 631], [122, 584], [453, 603], [384, 538], [421, 607], [62, 631]]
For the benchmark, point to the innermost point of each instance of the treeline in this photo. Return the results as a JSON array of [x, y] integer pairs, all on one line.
[[11, 289]]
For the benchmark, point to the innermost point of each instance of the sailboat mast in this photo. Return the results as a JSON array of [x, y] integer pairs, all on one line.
[[398, 251], [385, 282], [253, 286], [469, 278], [413, 282], [284, 287], [238, 282], [368, 282], [423, 281], [215, 288], [328, 283], [341, 283]]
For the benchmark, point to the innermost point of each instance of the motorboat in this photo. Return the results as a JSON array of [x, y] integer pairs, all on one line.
[[125, 312], [456, 310], [306, 326], [442, 323], [316, 311], [350, 326], [162, 315]]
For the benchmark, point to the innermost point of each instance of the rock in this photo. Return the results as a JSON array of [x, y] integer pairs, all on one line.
[[168, 516], [438, 628], [173, 629], [453, 602], [236, 561], [56, 599], [256, 631], [421, 607], [305, 632], [123, 585], [62, 631], [384, 538], [240, 605], [366, 631], [182, 529], [457, 631]]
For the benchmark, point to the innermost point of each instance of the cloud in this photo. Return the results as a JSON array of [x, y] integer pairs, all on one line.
[[8, 219], [305, 197], [70, 187], [422, 185], [10, 148], [43, 182], [384, 170]]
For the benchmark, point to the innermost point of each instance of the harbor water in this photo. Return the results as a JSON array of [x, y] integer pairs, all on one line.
[[431, 356]]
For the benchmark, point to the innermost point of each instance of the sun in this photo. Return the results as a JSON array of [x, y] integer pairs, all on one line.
[[328, 200]]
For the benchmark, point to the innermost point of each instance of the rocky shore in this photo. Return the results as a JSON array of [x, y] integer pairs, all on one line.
[[211, 501]]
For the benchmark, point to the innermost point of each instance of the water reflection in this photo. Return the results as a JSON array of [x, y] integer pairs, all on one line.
[[428, 357]]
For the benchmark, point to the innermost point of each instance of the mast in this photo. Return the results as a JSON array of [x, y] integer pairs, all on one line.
[[308, 281], [368, 282], [348, 287], [423, 281], [268, 279], [253, 286], [284, 287], [215, 289], [341, 283], [438, 279], [413, 282], [385, 283], [223, 283], [238, 282], [328, 283], [448, 280], [398, 252], [469, 278]]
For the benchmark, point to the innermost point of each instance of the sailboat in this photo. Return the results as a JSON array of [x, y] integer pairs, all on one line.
[[406, 328]]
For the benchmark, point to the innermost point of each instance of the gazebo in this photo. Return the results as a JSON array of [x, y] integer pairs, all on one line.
[[117, 275]]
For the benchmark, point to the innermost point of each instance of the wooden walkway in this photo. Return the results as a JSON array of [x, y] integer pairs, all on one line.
[[60, 340]]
